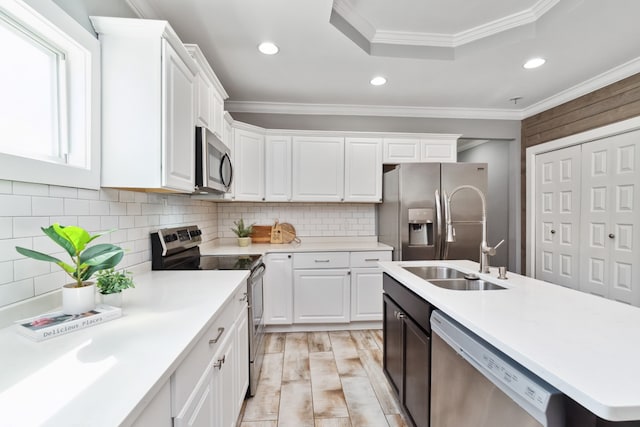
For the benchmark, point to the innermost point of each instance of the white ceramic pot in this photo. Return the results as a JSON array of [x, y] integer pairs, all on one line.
[[114, 300], [78, 300], [244, 241]]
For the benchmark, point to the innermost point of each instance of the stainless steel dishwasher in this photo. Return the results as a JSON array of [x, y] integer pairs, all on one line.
[[475, 385]]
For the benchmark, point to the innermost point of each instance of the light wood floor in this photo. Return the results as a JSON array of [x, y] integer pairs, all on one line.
[[323, 379]]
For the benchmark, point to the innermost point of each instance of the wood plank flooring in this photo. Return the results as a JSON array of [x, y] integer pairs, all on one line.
[[323, 379]]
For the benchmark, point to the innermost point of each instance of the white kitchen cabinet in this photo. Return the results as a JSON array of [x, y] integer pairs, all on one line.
[[278, 168], [224, 386], [148, 109], [158, 412], [610, 225], [278, 289], [248, 160], [318, 169], [363, 170], [217, 110], [366, 285], [200, 410], [321, 296], [439, 148], [242, 354], [401, 150], [227, 132]]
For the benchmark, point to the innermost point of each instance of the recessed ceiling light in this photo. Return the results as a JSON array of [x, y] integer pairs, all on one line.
[[268, 48], [534, 63], [378, 81]]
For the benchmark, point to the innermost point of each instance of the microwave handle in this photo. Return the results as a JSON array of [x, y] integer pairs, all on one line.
[[227, 159]]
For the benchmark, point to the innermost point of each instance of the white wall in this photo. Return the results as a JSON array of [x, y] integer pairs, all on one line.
[[24, 208], [309, 219]]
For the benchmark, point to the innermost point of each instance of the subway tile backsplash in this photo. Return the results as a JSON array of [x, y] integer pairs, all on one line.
[[309, 219], [25, 207]]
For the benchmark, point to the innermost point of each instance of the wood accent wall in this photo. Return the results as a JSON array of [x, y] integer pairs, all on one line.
[[616, 102]]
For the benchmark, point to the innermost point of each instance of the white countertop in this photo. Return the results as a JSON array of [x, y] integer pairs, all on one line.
[[307, 245], [586, 346], [104, 375]]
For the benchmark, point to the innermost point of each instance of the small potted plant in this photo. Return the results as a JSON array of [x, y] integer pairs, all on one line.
[[80, 296], [243, 233], [111, 283]]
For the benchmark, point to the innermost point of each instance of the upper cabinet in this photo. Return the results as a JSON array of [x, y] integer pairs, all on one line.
[[318, 169], [248, 158], [439, 148], [278, 168], [148, 108], [210, 95], [363, 170]]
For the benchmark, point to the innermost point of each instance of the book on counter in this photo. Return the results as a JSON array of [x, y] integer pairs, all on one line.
[[50, 325]]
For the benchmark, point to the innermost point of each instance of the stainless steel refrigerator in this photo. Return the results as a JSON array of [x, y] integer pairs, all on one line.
[[411, 217]]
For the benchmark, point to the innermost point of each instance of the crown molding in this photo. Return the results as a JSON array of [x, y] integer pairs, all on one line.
[[608, 77], [369, 110], [348, 12], [143, 9]]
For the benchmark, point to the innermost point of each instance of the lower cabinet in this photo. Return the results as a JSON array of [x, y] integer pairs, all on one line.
[[278, 289], [407, 350], [221, 359], [321, 296], [366, 290]]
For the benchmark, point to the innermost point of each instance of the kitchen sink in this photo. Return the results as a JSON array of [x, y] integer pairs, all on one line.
[[465, 284], [435, 272]]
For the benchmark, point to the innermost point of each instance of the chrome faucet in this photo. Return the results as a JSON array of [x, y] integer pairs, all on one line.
[[485, 250]]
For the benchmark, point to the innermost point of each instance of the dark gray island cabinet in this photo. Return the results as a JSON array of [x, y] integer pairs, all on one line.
[[407, 359]]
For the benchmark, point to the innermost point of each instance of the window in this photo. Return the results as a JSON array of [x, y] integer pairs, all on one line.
[[49, 108]]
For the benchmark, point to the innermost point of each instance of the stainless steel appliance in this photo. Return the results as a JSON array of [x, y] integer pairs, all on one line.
[[177, 249], [413, 214], [214, 171], [475, 385]]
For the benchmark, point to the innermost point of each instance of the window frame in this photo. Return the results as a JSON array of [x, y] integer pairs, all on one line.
[[82, 84]]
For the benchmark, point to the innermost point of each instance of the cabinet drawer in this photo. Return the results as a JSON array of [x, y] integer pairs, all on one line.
[[369, 259], [321, 260], [186, 376]]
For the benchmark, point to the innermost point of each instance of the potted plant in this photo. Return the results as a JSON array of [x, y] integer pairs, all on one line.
[[111, 283], [243, 233], [78, 297]]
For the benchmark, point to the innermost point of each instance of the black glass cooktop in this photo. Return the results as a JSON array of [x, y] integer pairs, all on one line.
[[228, 262]]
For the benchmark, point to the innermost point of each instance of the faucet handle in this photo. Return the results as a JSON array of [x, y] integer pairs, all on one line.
[[491, 251], [498, 245]]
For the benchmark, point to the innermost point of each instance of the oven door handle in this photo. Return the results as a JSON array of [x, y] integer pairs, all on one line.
[[257, 272]]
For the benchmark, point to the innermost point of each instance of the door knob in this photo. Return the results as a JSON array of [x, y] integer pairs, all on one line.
[[611, 235], [553, 231]]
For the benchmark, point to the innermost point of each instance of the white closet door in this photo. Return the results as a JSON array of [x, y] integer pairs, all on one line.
[[611, 229], [558, 216]]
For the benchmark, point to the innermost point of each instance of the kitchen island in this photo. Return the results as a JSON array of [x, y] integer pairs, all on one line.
[[586, 346], [107, 374]]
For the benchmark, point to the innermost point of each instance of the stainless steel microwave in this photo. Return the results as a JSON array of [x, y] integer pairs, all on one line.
[[214, 171]]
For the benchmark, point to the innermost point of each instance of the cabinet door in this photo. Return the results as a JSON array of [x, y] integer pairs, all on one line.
[[278, 289], [610, 251], [158, 412], [200, 410], [558, 217], [217, 114], [321, 296], [401, 150], [203, 101], [278, 168], [318, 169], [248, 157], [439, 151], [363, 170], [417, 365], [227, 135], [178, 122], [242, 357], [366, 294], [224, 384], [392, 355]]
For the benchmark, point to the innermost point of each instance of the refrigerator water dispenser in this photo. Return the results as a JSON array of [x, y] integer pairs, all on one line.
[[421, 227]]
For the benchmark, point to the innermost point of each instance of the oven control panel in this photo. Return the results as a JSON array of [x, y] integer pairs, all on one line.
[[179, 238]]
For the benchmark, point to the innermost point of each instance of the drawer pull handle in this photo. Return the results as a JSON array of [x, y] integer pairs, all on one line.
[[220, 362], [244, 298], [372, 259], [322, 260], [216, 339]]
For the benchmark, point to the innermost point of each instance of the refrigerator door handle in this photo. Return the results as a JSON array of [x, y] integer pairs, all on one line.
[[438, 228], [447, 217]]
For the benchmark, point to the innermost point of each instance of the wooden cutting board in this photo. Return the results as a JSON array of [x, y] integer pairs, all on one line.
[[288, 233], [261, 234]]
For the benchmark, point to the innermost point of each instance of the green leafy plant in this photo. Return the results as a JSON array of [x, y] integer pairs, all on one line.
[[86, 261], [111, 281], [241, 230]]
